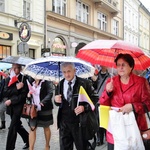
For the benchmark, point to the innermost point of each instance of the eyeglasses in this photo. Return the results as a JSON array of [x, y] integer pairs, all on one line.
[[122, 65]]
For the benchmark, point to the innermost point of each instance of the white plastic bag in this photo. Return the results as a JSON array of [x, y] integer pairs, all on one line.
[[125, 131]]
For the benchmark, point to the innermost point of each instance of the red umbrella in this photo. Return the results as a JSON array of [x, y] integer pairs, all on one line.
[[103, 52]]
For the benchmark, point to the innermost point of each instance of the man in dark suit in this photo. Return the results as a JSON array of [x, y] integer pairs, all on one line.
[[15, 92], [69, 114]]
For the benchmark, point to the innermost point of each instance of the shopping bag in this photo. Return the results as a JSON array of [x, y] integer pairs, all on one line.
[[125, 131]]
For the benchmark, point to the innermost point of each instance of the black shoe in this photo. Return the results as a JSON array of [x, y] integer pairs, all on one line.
[[25, 146]]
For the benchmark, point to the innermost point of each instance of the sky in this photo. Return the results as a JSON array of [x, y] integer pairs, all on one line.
[[146, 3]]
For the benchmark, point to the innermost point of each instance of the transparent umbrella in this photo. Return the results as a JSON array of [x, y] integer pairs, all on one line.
[[17, 60]]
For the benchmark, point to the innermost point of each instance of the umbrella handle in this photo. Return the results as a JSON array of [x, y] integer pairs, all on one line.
[[111, 74], [22, 78]]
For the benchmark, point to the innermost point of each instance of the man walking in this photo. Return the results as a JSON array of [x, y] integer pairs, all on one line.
[[15, 92], [69, 113]]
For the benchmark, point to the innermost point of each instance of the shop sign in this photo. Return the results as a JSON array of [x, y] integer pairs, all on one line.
[[6, 36], [24, 32]]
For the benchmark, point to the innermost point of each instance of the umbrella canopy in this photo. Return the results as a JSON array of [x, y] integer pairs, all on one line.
[[103, 52], [17, 60], [5, 66], [48, 68]]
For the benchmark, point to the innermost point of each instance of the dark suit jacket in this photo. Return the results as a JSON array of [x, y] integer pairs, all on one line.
[[17, 97], [87, 85]]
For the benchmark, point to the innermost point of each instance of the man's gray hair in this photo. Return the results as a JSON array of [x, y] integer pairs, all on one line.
[[65, 64]]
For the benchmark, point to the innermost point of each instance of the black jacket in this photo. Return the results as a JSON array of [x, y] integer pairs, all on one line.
[[46, 94], [17, 97], [66, 112]]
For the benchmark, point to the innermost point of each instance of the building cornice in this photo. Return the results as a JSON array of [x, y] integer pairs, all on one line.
[[19, 19], [144, 8], [78, 24]]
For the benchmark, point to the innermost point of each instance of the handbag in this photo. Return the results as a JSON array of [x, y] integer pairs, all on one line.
[[146, 133], [29, 110]]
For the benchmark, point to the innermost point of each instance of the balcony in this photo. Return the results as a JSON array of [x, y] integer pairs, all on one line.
[[109, 5]]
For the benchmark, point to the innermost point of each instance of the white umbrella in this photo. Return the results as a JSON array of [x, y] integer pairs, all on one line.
[[48, 68]]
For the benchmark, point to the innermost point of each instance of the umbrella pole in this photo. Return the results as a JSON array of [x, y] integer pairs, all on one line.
[[112, 71], [59, 76], [22, 78]]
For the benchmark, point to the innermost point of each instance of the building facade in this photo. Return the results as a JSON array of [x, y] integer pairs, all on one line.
[[131, 21], [72, 24], [62, 27], [144, 29], [12, 15]]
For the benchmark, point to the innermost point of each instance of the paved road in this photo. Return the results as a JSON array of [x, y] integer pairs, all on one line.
[[39, 145]]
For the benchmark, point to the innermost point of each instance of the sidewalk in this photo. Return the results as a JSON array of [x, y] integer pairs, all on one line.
[[40, 141]]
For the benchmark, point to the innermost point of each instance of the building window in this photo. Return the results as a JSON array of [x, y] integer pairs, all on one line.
[[115, 27], [2, 5], [58, 47], [32, 53], [102, 21], [82, 13], [4, 51], [59, 6], [27, 9]]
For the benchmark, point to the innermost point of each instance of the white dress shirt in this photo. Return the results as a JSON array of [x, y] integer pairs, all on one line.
[[65, 86]]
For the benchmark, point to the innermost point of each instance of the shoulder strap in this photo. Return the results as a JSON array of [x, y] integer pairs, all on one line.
[[32, 128], [102, 83], [146, 110]]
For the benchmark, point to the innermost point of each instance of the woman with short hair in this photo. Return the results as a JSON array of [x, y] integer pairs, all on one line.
[[126, 91]]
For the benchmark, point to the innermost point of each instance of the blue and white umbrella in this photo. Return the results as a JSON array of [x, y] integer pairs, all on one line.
[[48, 68]]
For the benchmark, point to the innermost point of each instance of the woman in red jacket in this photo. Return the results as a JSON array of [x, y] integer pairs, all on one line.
[[126, 91]]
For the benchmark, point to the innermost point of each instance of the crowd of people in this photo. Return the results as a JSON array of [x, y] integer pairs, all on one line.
[[125, 91]]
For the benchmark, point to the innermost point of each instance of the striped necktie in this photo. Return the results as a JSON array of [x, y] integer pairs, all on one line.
[[69, 92]]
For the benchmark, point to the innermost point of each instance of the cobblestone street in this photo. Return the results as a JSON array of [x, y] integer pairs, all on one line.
[[39, 145]]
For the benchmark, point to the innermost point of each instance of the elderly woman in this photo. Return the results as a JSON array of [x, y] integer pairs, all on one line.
[[126, 91]]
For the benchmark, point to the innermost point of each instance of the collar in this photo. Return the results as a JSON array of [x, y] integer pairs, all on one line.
[[73, 80], [103, 72]]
